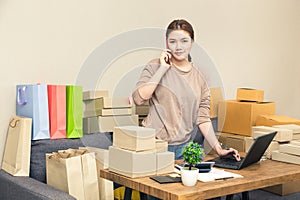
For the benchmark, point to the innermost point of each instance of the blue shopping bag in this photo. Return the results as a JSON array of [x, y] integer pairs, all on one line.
[[32, 102]]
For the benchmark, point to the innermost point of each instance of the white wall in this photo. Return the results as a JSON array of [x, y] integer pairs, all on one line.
[[253, 43]]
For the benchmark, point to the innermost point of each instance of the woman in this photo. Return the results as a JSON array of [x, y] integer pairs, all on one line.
[[178, 93]]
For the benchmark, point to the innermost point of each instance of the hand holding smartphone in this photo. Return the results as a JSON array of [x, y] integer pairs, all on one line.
[[166, 56]]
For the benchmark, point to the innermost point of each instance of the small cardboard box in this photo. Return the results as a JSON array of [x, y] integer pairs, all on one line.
[[107, 112], [215, 97], [108, 102], [282, 135], [142, 110], [284, 189], [161, 145], [285, 157], [295, 128], [239, 117], [132, 164], [248, 94], [272, 120], [232, 140], [107, 123], [135, 138], [290, 149], [164, 162], [94, 94]]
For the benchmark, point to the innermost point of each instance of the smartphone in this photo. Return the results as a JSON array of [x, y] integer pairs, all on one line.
[[167, 59]]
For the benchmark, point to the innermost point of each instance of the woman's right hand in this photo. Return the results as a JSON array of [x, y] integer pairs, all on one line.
[[165, 58]]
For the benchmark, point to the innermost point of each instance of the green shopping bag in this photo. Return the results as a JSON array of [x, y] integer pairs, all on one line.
[[74, 111]]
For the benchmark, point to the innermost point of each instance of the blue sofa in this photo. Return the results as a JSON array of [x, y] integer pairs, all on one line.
[[35, 187]]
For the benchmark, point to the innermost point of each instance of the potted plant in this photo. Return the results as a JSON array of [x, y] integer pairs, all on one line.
[[193, 153]]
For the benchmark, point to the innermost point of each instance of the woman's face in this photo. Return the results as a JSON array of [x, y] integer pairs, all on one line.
[[180, 44]]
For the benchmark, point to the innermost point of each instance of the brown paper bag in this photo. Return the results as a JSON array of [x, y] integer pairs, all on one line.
[[106, 187], [73, 171], [16, 158]]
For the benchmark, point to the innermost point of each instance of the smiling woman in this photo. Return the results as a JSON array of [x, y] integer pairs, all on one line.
[[178, 93]]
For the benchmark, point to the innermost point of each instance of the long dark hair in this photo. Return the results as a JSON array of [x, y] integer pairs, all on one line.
[[181, 24]]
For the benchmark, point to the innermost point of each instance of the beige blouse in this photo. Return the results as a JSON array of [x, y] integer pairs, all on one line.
[[180, 101]]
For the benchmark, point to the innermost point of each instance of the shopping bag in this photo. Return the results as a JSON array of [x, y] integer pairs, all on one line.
[[16, 158], [106, 187], [73, 171], [57, 111], [74, 112], [32, 102]]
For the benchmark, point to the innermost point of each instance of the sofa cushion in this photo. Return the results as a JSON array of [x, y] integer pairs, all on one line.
[[39, 148]]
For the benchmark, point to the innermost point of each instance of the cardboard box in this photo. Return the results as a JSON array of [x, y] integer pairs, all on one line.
[[108, 102], [272, 120], [285, 157], [107, 123], [248, 143], [94, 94], [295, 128], [135, 138], [164, 162], [107, 112], [290, 149], [284, 189], [215, 97], [239, 117], [130, 163], [248, 94], [142, 110], [295, 142], [232, 140], [283, 135], [161, 145]]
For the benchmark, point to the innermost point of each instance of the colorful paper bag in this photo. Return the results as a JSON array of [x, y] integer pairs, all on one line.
[[74, 112], [32, 102], [57, 111], [16, 158]]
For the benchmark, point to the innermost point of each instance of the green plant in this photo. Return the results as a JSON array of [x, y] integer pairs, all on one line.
[[193, 153]]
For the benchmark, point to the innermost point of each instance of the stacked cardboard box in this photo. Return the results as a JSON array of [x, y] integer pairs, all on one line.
[[136, 153], [142, 111], [238, 116], [290, 153], [102, 113]]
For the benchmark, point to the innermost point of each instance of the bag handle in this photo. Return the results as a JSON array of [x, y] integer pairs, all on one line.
[[22, 100], [13, 123]]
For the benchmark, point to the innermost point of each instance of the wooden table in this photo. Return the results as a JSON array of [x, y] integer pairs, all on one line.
[[259, 175]]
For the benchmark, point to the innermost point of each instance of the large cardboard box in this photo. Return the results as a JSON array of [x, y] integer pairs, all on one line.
[[94, 94], [132, 164], [248, 94], [107, 123], [164, 162], [215, 97], [272, 120], [239, 117], [108, 102], [232, 140], [135, 138]]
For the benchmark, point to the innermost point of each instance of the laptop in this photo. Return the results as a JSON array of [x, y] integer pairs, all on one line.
[[254, 154]]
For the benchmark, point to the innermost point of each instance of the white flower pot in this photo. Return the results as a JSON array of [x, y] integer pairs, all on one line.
[[189, 177]]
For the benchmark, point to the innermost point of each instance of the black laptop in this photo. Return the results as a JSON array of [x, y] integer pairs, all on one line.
[[254, 154]]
